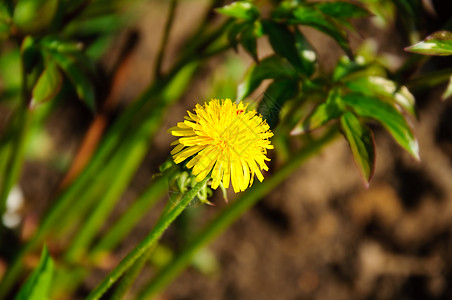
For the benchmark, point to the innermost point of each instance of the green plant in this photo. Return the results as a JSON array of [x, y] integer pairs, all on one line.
[[57, 55]]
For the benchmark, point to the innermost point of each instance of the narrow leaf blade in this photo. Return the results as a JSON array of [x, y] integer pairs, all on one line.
[[386, 89], [321, 115], [38, 285], [306, 52], [362, 144], [388, 116], [48, 84], [310, 16], [282, 41], [439, 43], [448, 91], [249, 41]]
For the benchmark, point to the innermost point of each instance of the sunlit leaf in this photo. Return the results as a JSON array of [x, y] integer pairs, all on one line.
[[240, 10], [385, 88], [274, 98], [59, 45], [388, 116], [361, 141], [38, 285], [271, 67], [48, 84], [439, 43], [346, 67], [308, 55], [321, 115]]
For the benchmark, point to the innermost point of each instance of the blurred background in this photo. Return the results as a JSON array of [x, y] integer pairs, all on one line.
[[320, 235]]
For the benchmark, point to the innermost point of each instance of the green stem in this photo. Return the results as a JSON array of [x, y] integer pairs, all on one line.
[[231, 213], [166, 31], [131, 217], [129, 277], [148, 242], [21, 123]]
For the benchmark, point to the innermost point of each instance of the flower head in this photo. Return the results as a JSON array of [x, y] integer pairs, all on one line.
[[223, 138]]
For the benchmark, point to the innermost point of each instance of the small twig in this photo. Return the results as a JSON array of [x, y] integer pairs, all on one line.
[[166, 32]]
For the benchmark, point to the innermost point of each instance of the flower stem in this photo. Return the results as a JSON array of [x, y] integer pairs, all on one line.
[[231, 213], [124, 225], [148, 242], [129, 277]]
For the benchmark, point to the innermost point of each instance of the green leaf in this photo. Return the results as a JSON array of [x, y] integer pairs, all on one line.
[[292, 46], [283, 10], [307, 54], [439, 43], [282, 41], [33, 16], [274, 98], [308, 15], [249, 41], [48, 84], [321, 115], [55, 44], [83, 86], [388, 116], [448, 91], [233, 31], [37, 286], [342, 10], [362, 143], [346, 67], [29, 53], [274, 67], [240, 10], [386, 89]]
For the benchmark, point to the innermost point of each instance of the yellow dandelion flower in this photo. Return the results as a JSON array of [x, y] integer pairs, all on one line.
[[223, 138]]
